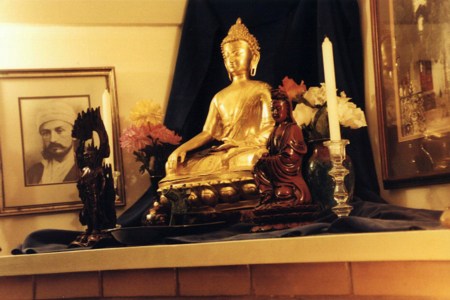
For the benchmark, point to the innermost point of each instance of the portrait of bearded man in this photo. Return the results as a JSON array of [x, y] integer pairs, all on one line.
[[54, 125]]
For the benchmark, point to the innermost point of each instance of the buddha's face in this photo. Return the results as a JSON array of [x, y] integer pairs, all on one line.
[[237, 57], [279, 110]]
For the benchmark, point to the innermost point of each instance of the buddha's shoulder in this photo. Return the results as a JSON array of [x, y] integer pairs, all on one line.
[[249, 85], [259, 84]]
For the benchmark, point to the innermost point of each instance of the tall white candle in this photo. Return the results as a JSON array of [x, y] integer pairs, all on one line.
[[106, 113], [330, 83]]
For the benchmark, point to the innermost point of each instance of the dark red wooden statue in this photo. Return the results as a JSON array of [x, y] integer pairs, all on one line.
[[278, 172], [285, 197]]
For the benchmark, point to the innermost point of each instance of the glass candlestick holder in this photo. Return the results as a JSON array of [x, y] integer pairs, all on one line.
[[338, 172]]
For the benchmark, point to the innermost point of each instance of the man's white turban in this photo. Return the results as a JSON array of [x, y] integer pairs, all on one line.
[[56, 111]]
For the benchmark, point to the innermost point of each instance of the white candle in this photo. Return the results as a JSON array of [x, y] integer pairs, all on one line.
[[107, 120], [330, 83]]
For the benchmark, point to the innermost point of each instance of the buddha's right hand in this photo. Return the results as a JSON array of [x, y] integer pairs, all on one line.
[[176, 157]]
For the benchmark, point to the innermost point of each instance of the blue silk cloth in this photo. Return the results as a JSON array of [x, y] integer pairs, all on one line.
[[366, 217]]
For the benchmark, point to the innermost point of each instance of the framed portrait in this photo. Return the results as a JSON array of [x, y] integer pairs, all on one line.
[[37, 111], [412, 54]]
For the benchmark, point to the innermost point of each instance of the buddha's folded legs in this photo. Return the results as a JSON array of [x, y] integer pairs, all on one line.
[[216, 177]]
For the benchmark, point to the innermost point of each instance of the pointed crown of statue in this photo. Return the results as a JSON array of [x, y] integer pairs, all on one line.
[[239, 32]]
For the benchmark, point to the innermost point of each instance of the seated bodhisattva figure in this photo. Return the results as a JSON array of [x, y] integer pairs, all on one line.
[[239, 118], [278, 172], [285, 198]]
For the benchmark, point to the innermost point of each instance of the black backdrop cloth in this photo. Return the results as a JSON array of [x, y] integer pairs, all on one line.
[[290, 33]]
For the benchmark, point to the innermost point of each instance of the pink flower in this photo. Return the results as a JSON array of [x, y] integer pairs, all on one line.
[[147, 138], [136, 138], [162, 134], [291, 88]]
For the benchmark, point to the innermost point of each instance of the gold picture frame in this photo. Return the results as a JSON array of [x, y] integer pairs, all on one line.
[[27, 99], [412, 54]]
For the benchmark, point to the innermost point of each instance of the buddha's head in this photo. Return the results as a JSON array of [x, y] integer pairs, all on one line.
[[281, 106], [240, 50]]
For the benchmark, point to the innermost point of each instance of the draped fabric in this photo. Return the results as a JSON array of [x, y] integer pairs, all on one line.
[[366, 217], [290, 33]]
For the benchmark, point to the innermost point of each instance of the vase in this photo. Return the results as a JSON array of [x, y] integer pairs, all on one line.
[[318, 179]]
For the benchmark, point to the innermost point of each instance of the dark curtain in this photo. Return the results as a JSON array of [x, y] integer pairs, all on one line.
[[290, 33]]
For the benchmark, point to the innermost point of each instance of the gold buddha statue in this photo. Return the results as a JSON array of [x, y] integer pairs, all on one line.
[[239, 117]]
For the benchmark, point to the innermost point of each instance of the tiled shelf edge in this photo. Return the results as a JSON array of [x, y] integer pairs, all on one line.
[[426, 245]]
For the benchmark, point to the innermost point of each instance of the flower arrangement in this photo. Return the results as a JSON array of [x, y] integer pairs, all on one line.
[[311, 111], [147, 138]]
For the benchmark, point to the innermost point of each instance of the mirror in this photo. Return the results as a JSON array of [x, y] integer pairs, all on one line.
[[412, 53]]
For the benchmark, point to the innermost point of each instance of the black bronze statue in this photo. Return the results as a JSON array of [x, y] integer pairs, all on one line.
[[96, 183]]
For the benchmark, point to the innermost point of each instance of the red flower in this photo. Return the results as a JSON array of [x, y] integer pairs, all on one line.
[[291, 88]]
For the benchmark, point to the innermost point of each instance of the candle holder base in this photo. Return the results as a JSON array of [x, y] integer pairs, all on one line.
[[338, 172], [342, 209]]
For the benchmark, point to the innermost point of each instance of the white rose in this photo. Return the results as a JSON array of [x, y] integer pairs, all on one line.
[[303, 114], [349, 114], [316, 95]]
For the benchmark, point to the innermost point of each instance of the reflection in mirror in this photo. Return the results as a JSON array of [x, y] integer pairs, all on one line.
[[413, 52]]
